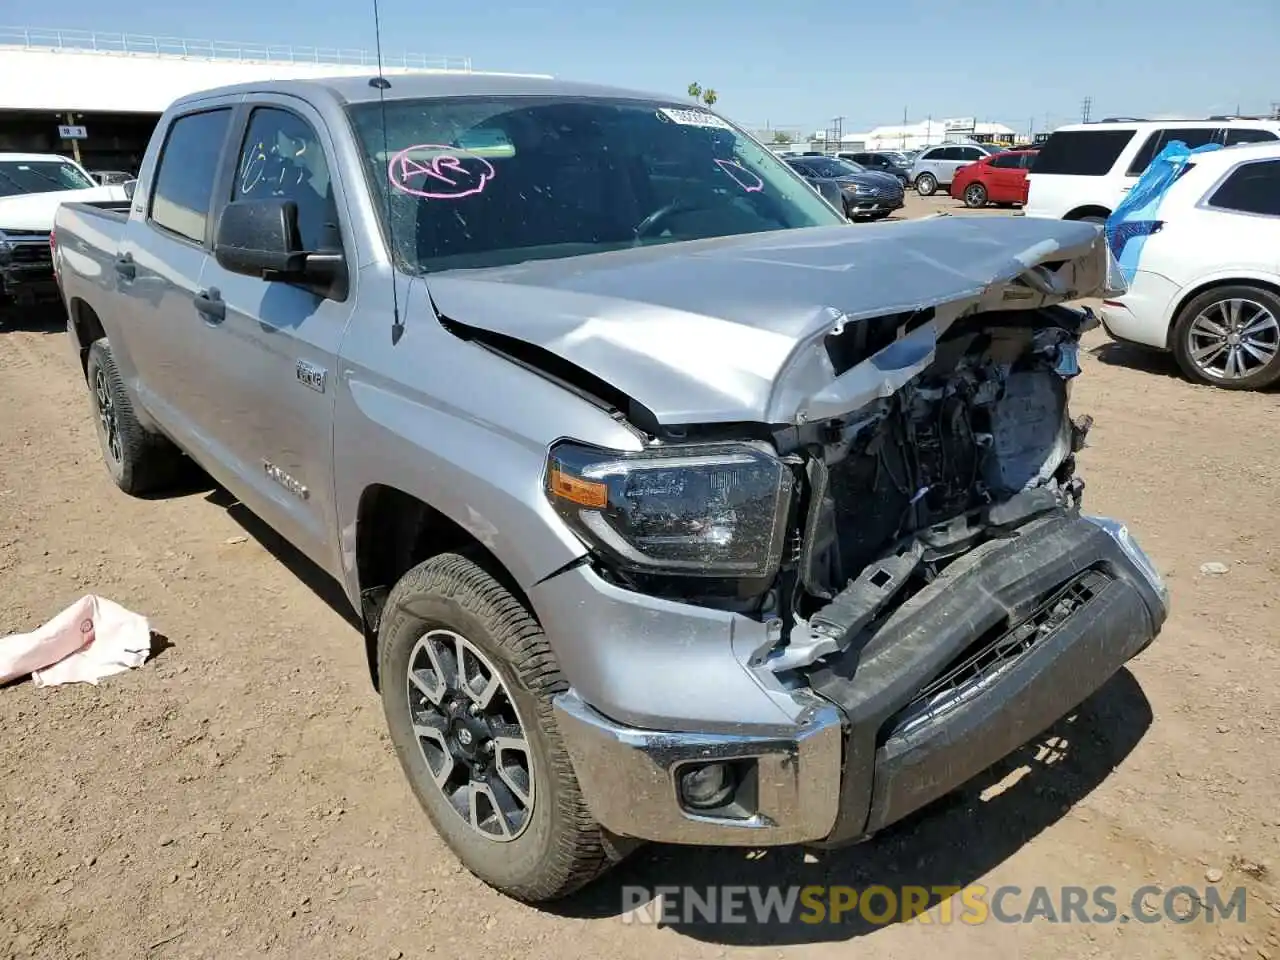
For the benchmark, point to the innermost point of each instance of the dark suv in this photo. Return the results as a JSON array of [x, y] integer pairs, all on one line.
[[883, 161], [866, 194]]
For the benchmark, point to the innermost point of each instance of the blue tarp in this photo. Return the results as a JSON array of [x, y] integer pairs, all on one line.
[[1138, 215]]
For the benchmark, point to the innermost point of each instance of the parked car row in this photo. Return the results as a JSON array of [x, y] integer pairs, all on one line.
[[1205, 282]]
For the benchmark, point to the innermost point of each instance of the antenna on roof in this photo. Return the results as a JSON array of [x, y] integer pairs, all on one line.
[[381, 83]]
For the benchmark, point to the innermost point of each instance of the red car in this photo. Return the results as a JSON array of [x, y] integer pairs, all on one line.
[[999, 178]]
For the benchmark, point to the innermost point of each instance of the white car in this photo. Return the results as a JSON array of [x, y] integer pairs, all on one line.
[[1207, 280], [32, 185], [1083, 170], [936, 166]]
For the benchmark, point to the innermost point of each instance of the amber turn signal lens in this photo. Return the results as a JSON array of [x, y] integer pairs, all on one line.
[[587, 493]]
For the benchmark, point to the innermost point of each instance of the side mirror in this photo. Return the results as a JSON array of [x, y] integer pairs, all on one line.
[[260, 238], [130, 188]]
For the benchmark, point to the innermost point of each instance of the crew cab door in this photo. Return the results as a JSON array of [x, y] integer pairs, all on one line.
[[273, 345], [157, 271]]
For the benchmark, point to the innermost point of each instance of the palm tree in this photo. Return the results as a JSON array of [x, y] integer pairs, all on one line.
[[695, 91], [709, 97]]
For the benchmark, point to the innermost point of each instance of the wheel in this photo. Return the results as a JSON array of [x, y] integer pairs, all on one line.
[[1230, 337], [1093, 218], [467, 681], [139, 462], [975, 195], [926, 184]]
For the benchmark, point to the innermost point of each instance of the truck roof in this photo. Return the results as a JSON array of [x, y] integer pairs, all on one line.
[[424, 85]]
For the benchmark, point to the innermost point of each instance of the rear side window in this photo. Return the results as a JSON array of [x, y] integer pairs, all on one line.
[[936, 154], [1027, 161], [1081, 153], [1251, 188], [1236, 135], [184, 180], [1194, 137], [1007, 161]]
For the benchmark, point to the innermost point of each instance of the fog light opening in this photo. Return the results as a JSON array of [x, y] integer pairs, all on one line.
[[706, 786]]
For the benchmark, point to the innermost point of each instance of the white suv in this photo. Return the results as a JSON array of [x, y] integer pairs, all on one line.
[[1084, 170], [937, 165]]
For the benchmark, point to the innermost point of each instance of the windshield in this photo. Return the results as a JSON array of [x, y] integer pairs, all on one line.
[[40, 176], [477, 181], [832, 166]]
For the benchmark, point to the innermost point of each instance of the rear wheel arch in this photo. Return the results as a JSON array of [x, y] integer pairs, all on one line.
[[88, 329], [1092, 210], [396, 531], [1204, 286]]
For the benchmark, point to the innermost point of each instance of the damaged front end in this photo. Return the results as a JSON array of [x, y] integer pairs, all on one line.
[[912, 544], [974, 446]]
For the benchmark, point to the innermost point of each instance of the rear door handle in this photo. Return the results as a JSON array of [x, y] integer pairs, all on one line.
[[210, 305], [125, 267]]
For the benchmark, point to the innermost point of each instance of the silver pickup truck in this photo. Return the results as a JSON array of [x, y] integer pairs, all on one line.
[[675, 507]]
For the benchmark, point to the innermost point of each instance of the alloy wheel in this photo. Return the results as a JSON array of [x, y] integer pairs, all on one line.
[[107, 419], [470, 734], [1233, 339]]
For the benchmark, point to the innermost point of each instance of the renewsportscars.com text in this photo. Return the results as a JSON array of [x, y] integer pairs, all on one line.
[[972, 905]]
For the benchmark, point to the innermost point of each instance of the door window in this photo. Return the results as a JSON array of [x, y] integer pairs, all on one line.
[[1007, 161], [970, 154], [282, 157], [184, 179], [1251, 188], [1236, 135], [1082, 153], [1193, 137]]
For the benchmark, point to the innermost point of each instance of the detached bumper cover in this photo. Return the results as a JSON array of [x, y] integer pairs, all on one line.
[[899, 733]]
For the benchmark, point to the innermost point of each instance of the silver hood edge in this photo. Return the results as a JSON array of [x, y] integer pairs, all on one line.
[[733, 329]]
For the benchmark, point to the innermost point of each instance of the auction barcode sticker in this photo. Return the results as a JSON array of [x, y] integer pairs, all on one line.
[[694, 118]]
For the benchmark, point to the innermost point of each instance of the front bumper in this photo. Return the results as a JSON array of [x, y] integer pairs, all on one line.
[[864, 205], [866, 751], [26, 269]]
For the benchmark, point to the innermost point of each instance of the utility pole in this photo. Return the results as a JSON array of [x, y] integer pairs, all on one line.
[[837, 125], [1085, 106], [903, 145]]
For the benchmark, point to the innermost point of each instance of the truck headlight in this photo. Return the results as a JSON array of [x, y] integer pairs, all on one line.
[[707, 510]]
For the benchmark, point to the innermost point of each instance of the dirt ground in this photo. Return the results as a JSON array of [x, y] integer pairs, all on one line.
[[237, 795]]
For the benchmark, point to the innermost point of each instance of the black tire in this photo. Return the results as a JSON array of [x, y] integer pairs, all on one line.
[[1093, 218], [926, 184], [561, 847], [1183, 336], [975, 196], [139, 462]]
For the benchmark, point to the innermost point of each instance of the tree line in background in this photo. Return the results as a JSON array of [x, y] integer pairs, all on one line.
[[707, 95]]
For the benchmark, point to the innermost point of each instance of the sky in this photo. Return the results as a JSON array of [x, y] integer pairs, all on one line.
[[1022, 62]]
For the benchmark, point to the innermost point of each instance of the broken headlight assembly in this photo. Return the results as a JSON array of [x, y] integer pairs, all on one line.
[[707, 510]]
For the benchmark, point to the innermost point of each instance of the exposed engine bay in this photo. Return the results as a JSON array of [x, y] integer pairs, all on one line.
[[977, 445]]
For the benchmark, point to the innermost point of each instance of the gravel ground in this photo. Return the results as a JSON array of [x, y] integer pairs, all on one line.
[[237, 794]]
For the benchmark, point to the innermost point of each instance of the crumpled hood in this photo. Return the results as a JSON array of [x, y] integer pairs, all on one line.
[[731, 329], [36, 211]]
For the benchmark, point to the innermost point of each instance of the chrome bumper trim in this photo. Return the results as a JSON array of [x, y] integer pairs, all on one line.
[[628, 780]]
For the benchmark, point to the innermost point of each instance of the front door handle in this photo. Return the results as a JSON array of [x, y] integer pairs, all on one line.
[[125, 267], [210, 305]]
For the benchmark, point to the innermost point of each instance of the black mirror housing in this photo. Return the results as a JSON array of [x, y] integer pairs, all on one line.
[[259, 238]]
